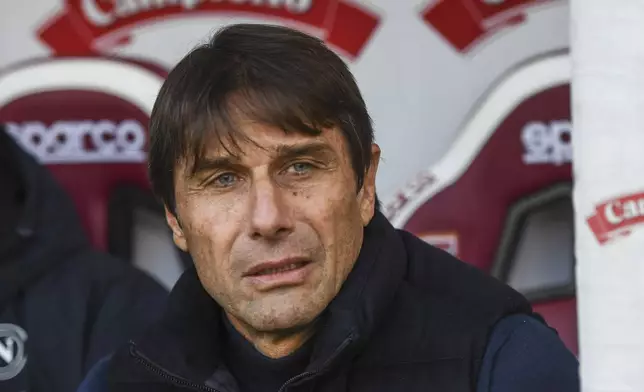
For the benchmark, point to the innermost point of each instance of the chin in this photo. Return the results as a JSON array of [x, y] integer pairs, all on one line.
[[282, 317]]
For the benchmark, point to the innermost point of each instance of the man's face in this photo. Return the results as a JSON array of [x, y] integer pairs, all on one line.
[[274, 230]]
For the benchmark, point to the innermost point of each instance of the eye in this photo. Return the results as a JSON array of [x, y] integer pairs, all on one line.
[[300, 168], [225, 180]]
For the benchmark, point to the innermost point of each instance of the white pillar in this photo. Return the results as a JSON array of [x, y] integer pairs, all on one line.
[[607, 41]]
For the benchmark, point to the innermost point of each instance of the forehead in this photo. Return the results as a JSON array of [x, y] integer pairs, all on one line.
[[254, 139]]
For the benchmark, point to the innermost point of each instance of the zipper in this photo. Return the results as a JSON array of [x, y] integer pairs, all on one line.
[[176, 380], [322, 369], [299, 377]]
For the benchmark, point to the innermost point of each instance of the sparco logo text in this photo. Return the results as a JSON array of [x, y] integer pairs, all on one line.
[[82, 141]]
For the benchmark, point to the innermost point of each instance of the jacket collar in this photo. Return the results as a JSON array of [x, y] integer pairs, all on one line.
[[186, 342]]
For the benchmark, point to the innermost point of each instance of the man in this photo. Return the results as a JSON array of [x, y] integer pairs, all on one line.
[[262, 152], [63, 306]]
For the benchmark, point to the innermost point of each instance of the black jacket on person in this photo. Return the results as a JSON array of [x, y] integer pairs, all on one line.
[[409, 318], [63, 306]]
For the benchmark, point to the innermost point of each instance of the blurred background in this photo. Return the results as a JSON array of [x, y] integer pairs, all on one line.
[[470, 101]]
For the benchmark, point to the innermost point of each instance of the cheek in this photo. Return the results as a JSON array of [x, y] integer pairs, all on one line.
[[334, 214], [210, 233], [330, 195]]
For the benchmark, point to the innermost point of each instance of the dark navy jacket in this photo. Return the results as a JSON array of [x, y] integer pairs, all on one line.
[[63, 306], [522, 355], [410, 318]]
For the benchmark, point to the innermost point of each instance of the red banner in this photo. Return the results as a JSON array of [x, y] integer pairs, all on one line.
[[463, 23], [77, 30], [615, 218]]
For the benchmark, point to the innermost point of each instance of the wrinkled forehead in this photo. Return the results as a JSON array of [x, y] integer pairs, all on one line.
[[255, 143], [254, 139]]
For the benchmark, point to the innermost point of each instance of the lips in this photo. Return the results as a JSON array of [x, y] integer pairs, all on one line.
[[274, 274], [276, 267]]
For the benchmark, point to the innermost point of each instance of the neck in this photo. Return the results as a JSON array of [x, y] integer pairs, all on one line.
[[274, 344]]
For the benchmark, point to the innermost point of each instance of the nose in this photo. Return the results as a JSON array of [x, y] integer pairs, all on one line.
[[270, 215]]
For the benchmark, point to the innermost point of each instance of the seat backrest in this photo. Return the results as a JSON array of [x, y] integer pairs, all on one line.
[[86, 119], [501, 197]]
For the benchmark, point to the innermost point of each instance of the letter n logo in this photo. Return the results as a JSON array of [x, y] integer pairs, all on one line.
[[13, 357]]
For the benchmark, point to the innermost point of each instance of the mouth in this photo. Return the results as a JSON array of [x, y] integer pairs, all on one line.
[[274, 274]]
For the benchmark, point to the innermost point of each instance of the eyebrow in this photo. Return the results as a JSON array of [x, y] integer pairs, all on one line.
[[286, 151], [282, 152], [207, 164]]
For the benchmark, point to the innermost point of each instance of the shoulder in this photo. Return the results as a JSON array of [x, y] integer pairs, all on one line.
[[442, 308], [524, 354], [437, 275], [90, 280], [105, 275]]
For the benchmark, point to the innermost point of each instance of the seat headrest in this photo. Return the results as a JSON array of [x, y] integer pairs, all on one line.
[[86, 119]]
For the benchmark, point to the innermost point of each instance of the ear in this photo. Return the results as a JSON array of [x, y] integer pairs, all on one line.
[[177, 232], [367, 195]]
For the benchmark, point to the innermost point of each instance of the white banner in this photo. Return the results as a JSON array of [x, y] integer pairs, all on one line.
[[608, 116]]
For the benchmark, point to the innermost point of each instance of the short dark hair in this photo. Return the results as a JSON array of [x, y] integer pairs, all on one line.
[[271, 74]]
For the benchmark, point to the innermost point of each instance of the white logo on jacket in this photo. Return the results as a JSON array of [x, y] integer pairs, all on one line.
[[13, 357]]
